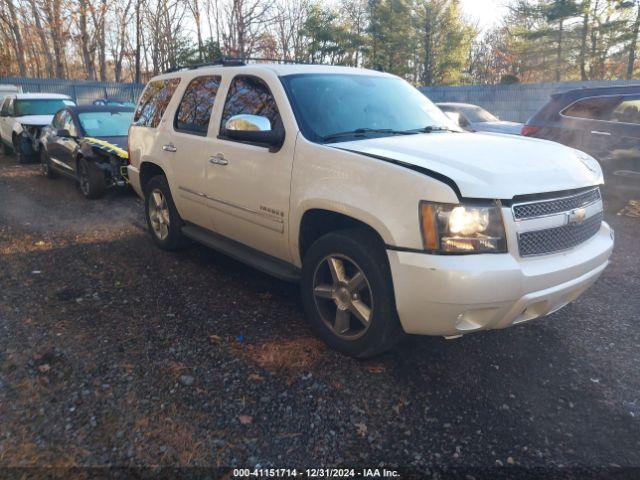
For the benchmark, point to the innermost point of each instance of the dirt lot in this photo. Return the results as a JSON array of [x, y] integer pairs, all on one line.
[[115, 353]]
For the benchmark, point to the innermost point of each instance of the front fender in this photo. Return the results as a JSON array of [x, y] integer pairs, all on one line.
[[382, 195]]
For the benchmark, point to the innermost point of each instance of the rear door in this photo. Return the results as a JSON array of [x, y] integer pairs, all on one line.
[[51, 137], [624, 125], [68, 145], [191, 146], [590, 119]]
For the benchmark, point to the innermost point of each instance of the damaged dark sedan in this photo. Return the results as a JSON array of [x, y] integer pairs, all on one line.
[[88, 144]]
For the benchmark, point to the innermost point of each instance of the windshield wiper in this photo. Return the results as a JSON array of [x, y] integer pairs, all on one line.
[[361, 132], [434, 128]]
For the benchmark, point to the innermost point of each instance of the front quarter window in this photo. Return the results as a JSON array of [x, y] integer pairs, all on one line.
[[325, 104]]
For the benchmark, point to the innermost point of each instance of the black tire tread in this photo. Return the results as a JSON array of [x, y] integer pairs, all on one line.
[[371, 255]]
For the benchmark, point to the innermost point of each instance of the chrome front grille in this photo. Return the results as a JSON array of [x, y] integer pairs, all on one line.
[[556, 239], [554, 225], [558, 205]]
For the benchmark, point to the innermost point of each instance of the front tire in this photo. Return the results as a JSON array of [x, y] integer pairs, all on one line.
[[91, 180], [163, 219], [347, 293]]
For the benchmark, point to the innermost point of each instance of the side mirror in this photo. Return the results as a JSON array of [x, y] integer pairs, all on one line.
[[253, 129], [63, 133]]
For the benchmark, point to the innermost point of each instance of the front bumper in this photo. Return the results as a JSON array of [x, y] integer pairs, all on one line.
[[452, 295], [134, 179]]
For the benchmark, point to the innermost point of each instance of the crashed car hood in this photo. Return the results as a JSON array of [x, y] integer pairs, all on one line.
[[486, 165], [112, 145], [36, 120]]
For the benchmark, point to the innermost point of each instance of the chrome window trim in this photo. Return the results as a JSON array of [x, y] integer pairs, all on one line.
[[233, 205]]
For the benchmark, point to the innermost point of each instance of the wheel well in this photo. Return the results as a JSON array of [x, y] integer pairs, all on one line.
[[316, 223], [149, 170]]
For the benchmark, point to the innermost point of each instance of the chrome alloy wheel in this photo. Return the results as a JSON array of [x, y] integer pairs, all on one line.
[[159, 214], [343, 296]]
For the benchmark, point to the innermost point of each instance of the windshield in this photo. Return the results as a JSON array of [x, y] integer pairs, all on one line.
[[327, 104], [40, 107], [477, 114], [106, 124]]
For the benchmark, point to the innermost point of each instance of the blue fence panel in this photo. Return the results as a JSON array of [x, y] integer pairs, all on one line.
[[83, 92], [512, 102], [509, 102]]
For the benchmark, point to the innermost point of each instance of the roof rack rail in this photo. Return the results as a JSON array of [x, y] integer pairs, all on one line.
[[235, 62]]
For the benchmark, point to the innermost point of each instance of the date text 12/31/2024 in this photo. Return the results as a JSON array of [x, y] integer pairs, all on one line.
[[314, 473]]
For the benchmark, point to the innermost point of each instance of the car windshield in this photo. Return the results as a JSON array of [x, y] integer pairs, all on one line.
[[477, 115], [106, 124], [40, 106], [342, 107]]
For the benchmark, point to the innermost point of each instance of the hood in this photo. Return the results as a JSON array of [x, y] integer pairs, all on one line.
[[511, 128], [117, 141], [112, 145], [487, 165], [38, 120]]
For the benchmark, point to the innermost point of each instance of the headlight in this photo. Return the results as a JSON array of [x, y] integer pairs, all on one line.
[[468, 228]]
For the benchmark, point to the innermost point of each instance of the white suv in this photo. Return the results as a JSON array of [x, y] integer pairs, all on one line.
[[355, 184], [22, 117]]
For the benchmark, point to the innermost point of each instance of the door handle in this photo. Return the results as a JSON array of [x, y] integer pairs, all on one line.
[[596, 132], [170, 147], [218, 160]]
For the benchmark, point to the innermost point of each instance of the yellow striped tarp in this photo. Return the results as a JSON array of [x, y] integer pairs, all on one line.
[[109, 147]]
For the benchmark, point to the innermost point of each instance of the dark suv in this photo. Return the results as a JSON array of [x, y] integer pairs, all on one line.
[[604, 122]]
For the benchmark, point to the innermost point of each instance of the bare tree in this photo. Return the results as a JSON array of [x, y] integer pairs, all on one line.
[[10, 19]]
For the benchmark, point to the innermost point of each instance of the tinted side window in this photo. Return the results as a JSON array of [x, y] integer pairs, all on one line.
[[194, 111], [627, 111], [250, 96], [57, 120], [68, 124], [154, 101], [5, 104], [596, 108]]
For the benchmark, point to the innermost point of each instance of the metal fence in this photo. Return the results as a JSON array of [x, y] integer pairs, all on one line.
[[83, 92], [511, 102]]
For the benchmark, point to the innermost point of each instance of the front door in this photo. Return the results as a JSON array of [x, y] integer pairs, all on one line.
[[247, 185]]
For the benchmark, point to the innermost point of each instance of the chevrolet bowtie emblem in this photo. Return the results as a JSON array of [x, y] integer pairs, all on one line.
[[576, 217]]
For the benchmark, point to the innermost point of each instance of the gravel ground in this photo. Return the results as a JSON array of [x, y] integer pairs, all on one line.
[[113, 352]]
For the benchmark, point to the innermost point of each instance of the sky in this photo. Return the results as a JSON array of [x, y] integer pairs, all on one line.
[[486, 12]]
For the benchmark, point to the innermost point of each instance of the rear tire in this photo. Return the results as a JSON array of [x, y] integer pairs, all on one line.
[[347, 293], [45, 165], [163, 220], [91, 180]]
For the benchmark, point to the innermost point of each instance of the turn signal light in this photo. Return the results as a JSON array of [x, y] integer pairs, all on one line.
[[529, 130]]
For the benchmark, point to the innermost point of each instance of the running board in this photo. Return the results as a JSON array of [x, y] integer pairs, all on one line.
[[247, 255]]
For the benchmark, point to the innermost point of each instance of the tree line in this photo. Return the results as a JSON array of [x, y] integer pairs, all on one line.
[[428, 42]]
